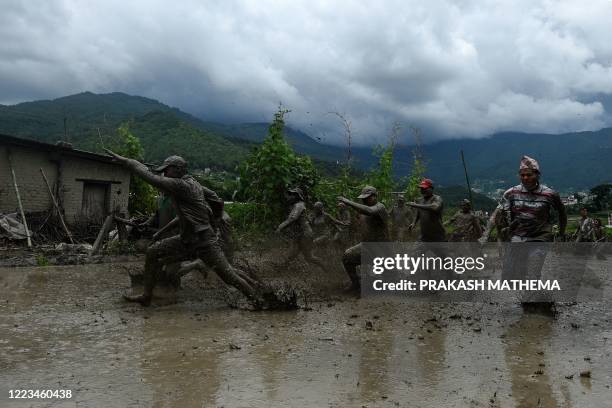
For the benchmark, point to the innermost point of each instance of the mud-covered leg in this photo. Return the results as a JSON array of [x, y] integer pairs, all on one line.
[[294, 251], [351, 259], [185, 267], [157, 254], [210, 252], [306, 248]]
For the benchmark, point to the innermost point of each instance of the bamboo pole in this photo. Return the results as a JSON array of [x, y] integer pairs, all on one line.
[[467, 179], [57, 206], [25, 223]]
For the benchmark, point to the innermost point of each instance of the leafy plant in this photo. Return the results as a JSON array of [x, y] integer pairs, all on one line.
[[418, 169], [382, 177], [602, 196], [142, 194], [42, 260], [270, 168]]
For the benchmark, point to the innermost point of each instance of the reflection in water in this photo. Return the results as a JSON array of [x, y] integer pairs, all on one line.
[[375, 349], [272, 354], [525, 356], [66, 326], [182, 370], [431, 354]]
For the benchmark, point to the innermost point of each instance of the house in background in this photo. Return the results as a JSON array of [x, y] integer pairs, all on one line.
[[88, 186]]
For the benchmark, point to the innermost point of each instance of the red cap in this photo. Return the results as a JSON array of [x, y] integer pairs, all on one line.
[[426, 183]]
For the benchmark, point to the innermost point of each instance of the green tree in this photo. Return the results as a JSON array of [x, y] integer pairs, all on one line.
[[602, 196], [142, 194], [418, 167], [328, 189], [270, 168], [382, 176]]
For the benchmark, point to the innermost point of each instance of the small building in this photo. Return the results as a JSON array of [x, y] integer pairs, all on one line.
[[569, 200], [88, 186]]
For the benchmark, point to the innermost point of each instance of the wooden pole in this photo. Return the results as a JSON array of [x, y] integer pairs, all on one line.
[[57, 206], [25, 223], [108, 223], [121, 230], [467, 179]]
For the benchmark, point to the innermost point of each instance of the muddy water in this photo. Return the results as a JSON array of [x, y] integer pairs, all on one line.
[[65, 328]]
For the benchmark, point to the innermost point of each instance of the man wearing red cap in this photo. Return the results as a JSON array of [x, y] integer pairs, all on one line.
[[429, 214]]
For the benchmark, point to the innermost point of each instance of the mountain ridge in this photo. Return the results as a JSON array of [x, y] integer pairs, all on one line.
[[569, 161]]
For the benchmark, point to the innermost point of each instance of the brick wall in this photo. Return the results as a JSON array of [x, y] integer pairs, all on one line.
[[34, 193]]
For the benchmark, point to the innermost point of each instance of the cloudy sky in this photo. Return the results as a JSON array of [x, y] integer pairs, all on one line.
[[454, 68]]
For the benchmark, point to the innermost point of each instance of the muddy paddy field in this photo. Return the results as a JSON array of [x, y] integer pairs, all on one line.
[[66, 327]]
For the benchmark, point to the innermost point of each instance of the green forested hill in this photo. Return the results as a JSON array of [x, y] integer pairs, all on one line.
[[163, 134], [453, 196], [570, 162], [92, 120], [82, 113]]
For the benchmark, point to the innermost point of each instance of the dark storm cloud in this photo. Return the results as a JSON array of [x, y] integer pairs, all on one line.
[[454, 68]]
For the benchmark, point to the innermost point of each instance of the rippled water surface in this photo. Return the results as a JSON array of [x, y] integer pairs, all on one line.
[[66, 328]]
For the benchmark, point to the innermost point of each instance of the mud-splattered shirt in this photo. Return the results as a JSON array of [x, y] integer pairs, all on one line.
[[299, 226], [187, 196], [467, 226], [400, 216], [319, 225], [430, 220], [584, 229], [531, 211], [375, 228]]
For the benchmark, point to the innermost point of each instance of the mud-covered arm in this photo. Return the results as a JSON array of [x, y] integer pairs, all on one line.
[[477, 226], [172, 224], [416, 219], [490, 224], [451, 220], [152, 220], [294, 215], [167, 184], [363, 209], [215, 202], [210, 195], [337, 221], [435, 205]]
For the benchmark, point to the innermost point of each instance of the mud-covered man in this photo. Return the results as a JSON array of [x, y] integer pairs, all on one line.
[[220, 221], [164, 214], [467, 225], [342, 224], [197, 237], [374, 222], [299, 230], [320, 224], [584, 229], [401, 218], [497, 222], [429, 214]]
